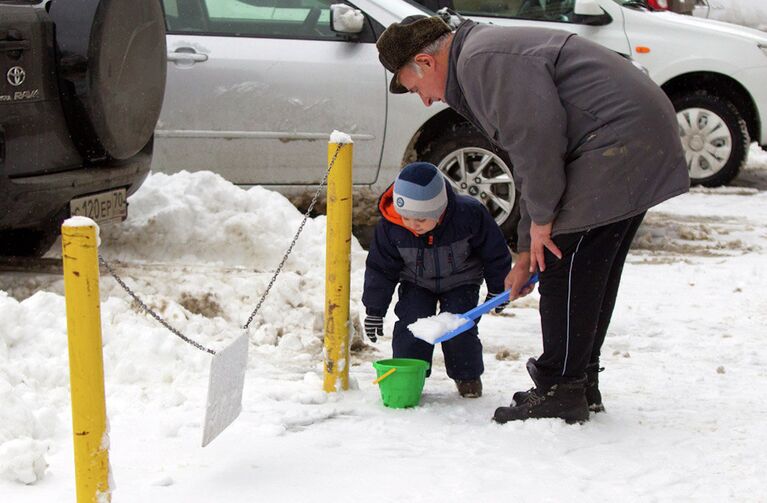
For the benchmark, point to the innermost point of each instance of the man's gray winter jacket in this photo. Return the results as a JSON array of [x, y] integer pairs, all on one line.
[[592, 140]]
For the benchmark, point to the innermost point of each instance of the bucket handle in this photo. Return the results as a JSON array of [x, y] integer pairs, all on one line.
[[385, 375]]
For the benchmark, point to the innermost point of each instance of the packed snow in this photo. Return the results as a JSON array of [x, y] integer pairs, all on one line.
[[684, 385], [433, 327], [339, 137]]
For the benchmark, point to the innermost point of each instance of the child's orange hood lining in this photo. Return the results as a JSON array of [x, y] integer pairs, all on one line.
[[386, 206]]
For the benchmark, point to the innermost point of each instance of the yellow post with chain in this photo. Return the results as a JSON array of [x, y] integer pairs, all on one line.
[[338, 264], [79, 241]]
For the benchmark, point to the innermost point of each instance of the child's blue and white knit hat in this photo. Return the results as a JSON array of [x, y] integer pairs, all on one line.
[[419, 191]]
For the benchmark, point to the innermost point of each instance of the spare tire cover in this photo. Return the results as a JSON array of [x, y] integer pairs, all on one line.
[[112, 67]]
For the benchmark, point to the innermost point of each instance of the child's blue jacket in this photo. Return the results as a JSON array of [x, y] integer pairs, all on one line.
[[466, 247]]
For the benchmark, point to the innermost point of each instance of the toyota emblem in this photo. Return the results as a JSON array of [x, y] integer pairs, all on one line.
[[16, 76]]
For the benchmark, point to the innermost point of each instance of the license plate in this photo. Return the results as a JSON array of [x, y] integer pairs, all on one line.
[[101, 207]]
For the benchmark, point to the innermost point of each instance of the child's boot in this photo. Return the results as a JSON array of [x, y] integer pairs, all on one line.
[[469, 389]]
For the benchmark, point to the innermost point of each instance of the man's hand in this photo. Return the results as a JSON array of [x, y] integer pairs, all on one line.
[[518, 276], [373, 327], [500, 307], [540, 238]]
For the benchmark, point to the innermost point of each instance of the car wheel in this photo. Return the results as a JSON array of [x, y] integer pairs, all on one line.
[[714, 137], [473, 167]]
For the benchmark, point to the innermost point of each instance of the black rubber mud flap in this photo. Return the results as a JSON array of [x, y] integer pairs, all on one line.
[[112, 65]]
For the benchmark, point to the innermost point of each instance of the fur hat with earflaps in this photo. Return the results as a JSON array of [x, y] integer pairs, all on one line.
[[401, 41]]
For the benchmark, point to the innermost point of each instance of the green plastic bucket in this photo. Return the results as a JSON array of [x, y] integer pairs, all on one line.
[[402, 388]]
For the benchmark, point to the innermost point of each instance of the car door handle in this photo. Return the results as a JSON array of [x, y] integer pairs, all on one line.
[[187, 55]]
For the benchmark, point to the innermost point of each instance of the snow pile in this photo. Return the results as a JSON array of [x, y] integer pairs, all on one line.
[[200, 217], [23, 460], [432, 328], [199, 251], [757, 157], [32, 360], [34, 371]]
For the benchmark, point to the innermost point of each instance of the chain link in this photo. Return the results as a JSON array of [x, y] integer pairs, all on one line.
[[199, 346], [149, 310]]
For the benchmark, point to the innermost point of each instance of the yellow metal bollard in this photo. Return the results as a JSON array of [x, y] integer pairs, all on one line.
[[337, 268], [86, 366]]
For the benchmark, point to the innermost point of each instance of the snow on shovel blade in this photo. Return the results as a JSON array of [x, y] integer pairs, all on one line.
[[227, 379], [445, 326], [466, 325]]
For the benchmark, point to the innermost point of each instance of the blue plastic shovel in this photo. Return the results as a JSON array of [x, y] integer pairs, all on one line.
[[481, 309]]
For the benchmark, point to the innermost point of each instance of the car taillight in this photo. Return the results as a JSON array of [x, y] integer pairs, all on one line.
[[658, 4]]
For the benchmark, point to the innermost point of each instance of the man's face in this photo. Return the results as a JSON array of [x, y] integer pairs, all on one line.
[[430, 85]]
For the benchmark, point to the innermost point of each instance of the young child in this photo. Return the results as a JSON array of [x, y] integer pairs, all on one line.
[[438, 246]]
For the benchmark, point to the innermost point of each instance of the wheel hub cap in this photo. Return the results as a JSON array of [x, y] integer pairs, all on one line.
[[484, 176], [696, 143], [707, 141]]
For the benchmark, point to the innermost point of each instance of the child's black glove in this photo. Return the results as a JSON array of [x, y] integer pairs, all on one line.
[[373, 327], [500, 307]]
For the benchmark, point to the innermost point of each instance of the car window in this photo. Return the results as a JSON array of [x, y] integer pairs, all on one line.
[[542, 10], [302, 19]]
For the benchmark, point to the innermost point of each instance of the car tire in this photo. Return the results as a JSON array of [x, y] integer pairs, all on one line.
[[714, 136], [474, 167], [112, 62]]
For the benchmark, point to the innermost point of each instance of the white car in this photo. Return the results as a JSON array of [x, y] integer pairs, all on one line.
[[714, 73]]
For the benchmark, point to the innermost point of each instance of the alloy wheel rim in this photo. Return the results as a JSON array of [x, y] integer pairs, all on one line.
[[481, 174], [706, 139]]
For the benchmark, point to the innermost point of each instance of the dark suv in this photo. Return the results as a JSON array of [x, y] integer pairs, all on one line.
[[81, 87]]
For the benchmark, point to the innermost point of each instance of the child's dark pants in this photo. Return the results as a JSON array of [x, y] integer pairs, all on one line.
[[463, 353]]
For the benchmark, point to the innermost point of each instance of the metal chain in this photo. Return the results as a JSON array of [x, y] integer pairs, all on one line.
[[199, 346], [149, 310], [295, 238]]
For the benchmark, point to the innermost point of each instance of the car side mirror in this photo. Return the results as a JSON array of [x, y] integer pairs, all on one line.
[[346, 19], [587, 8], [589, 12]]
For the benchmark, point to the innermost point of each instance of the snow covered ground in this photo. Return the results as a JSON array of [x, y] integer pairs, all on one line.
[[684, 386]]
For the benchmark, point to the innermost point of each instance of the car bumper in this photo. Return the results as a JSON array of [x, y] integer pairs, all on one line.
[[31, 202]]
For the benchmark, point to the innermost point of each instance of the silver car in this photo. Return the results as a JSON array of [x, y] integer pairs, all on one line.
[[255, 87]]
